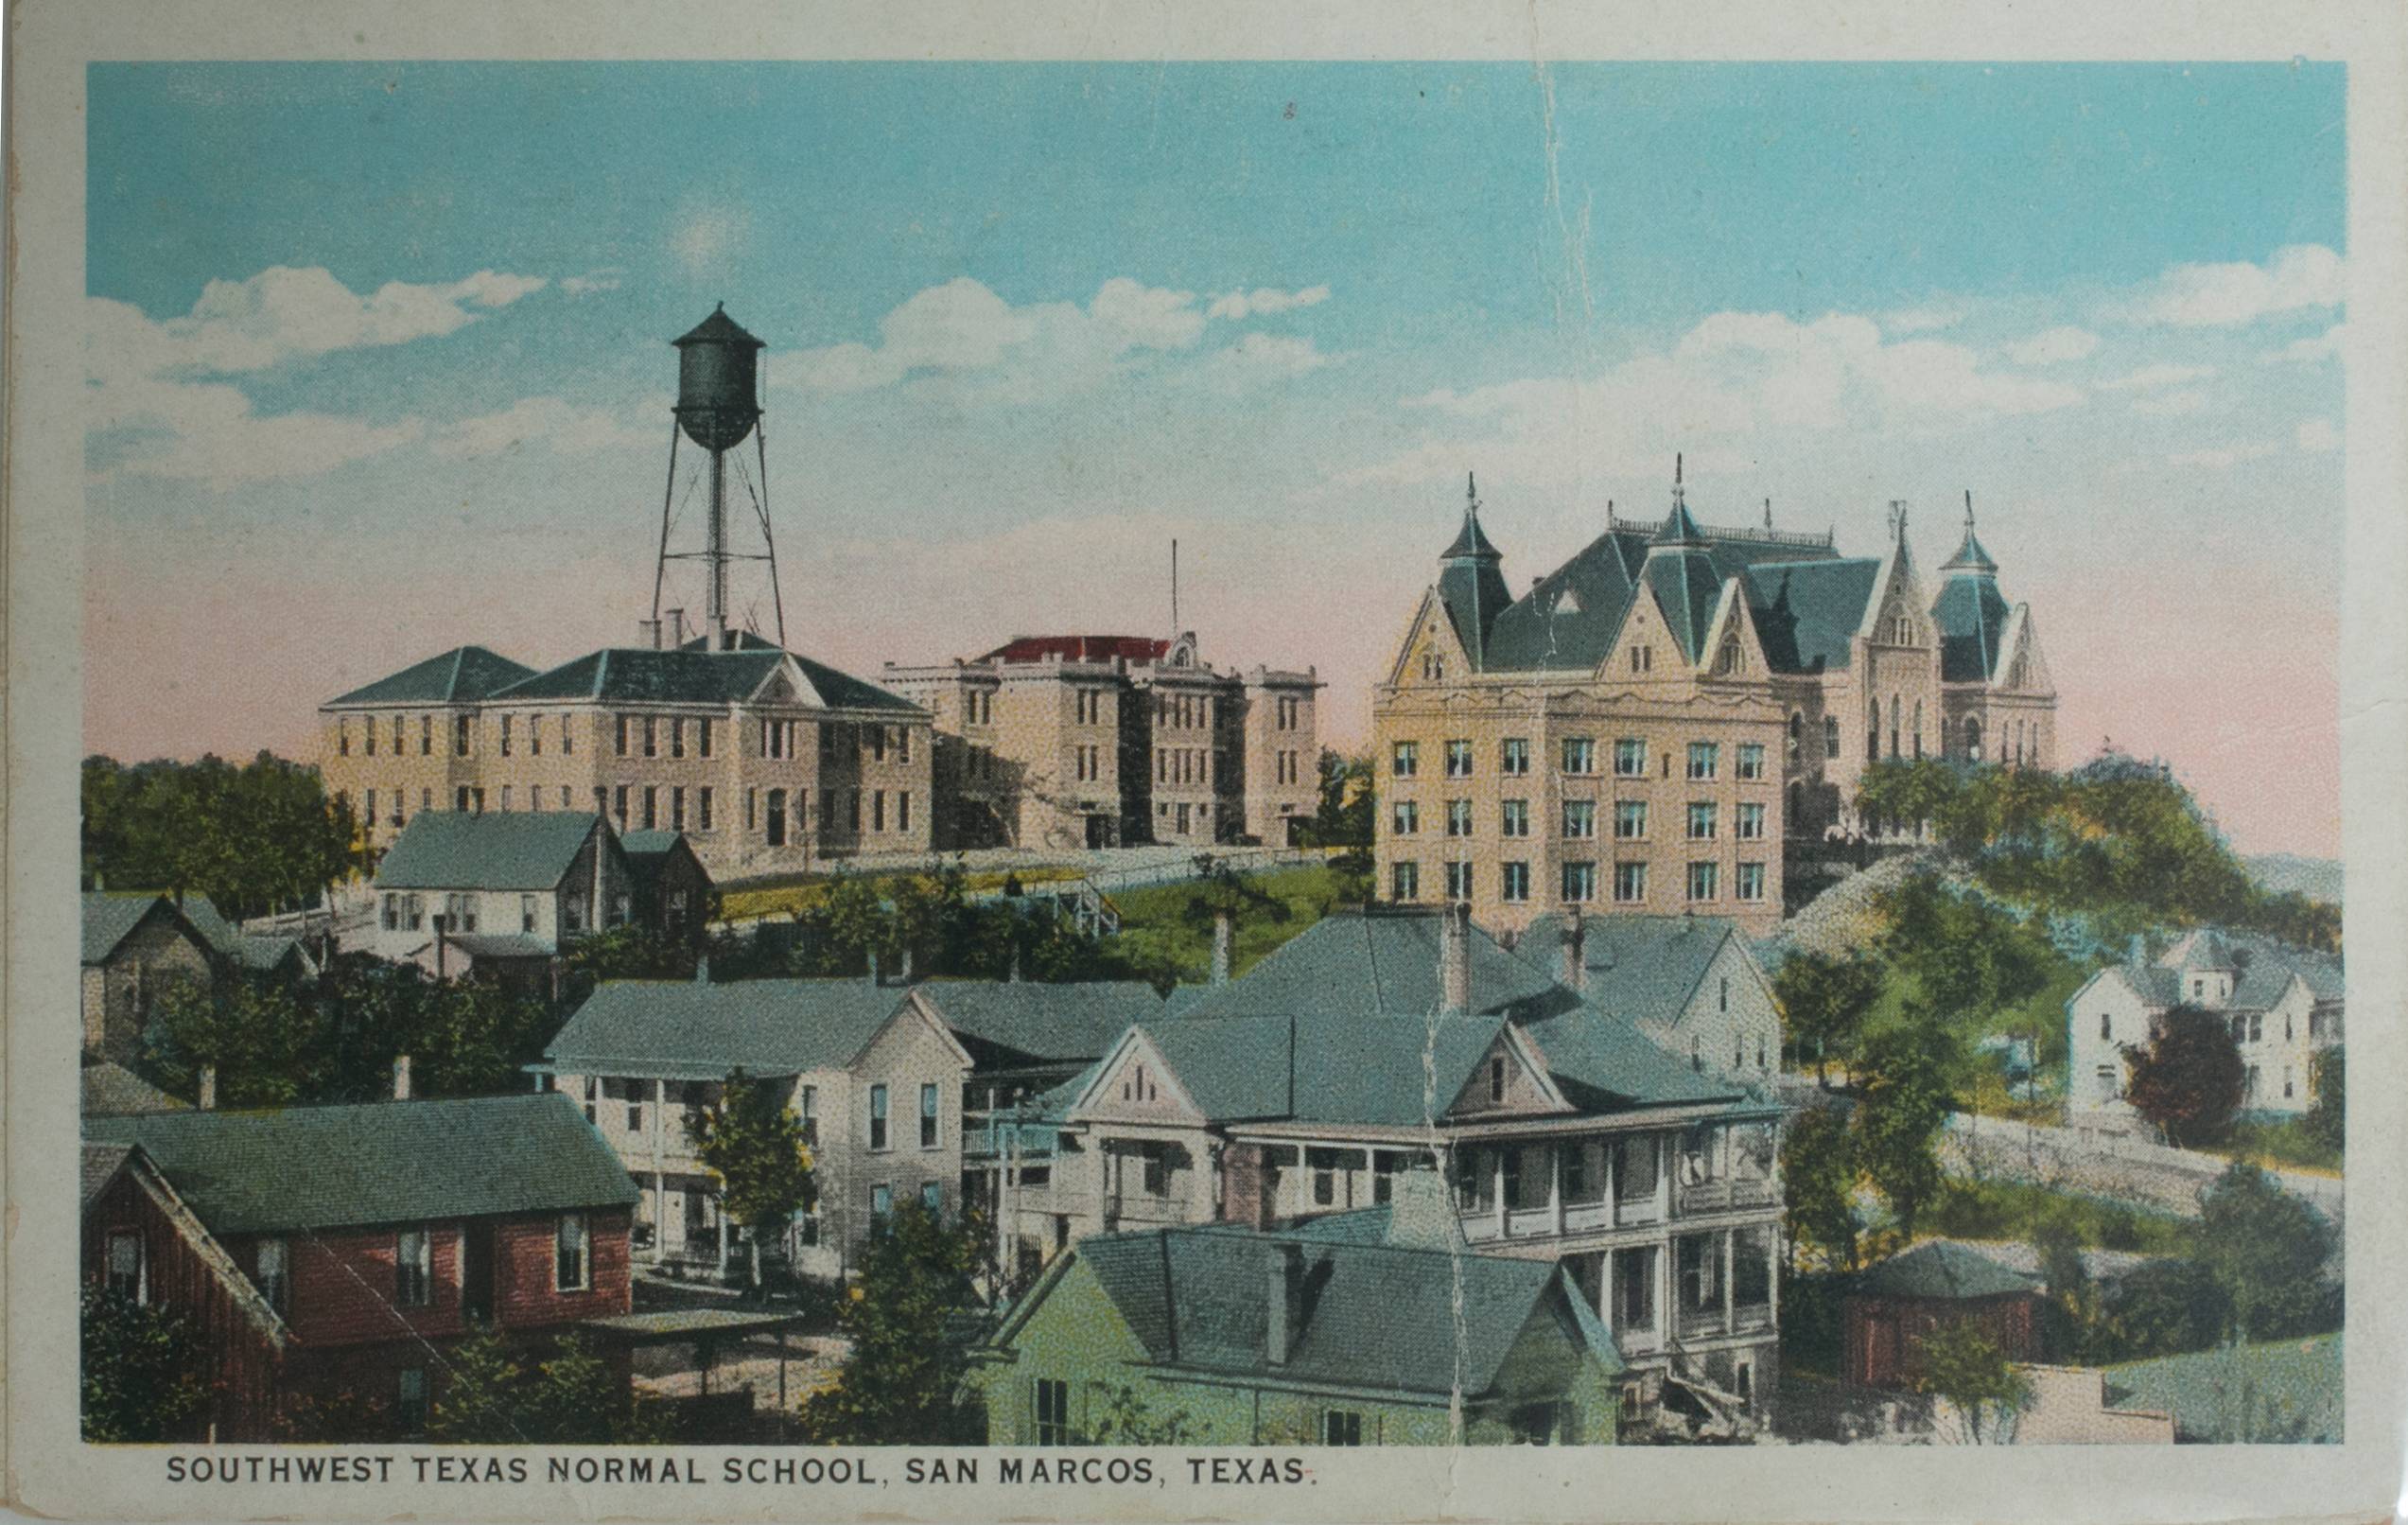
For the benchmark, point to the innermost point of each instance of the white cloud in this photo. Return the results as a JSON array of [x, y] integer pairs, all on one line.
[[2322, 346], [1260, 360], [2223, 296], [1737, 376], [2171, 403], [2318, 437], [561, 425], [2151, 377], [2222, 458], [2054, 347], [1920, 320], [1237, 306], [151, 407], [710, 237], [605, 279]]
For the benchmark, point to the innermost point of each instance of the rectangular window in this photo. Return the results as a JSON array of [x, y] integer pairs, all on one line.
[[622, 733], [1750, 760], [526, 913], [1579, 754], [677, 807], [878, 810], [878, 1117], [1459, 880], [1704, 881], [1701, 821], [702, 736], [1053, 1411], [808, 1110], [1579, 819], [1459, 760], [505, 735], [126, 1268], [1748, 823], [1458, 818], [567, 736], [932, 1196], [1630, 757], [928, 1116], [634, 1111], [413, 1268], [652, 806], [1513, 756], [881, 1205], [273, 1276], [1630, 820], [1629, 883], [902, 809], [1513, 817], [651, 736], [677, 736], [573, 1258], [1750, 882], [1515, 881], [426, 735], [534, 735], [459, 734], [1406, 760], [1404, 882], [618, 802], [370, 727], [1704, 758], [505, 797], [1407, 817], [1579, 882]]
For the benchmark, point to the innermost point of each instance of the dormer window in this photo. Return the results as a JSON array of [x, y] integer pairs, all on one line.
[[1642, 659], [1496, 1082], [1433, 667], [1901, 630]]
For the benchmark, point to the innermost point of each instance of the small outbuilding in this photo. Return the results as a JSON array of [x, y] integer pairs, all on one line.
[[1889, 1310]]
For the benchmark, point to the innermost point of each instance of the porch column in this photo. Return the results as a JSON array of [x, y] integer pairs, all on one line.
[[1772, 1274], [1663, 1178], [1555, 1186], [1612, 1181], [1729, 1262], [1664, 1319], [1371, 1180], [660, 1218], [1605, 1292], [1496, 1191], [723, 1238], [1102, 1184]]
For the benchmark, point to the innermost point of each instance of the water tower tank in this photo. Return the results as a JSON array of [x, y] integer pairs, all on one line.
[[715, 382]]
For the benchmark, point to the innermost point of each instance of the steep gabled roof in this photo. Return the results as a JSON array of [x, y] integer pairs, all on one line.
[[110, 919], [1379, 963], [1010, 1023], [1943, 1269], [1364, 1313], [688, 1030], [461, 676], [694, 674], [466, 850], [1686, 589], [111, 1089], [1807, 612], [1972, 616], [1637, 965], [389, 1161]]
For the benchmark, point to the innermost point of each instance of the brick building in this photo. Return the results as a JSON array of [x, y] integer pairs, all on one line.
[[369, 1234], [763, 759], [1110, 741], [134, 946], [1650, 725]]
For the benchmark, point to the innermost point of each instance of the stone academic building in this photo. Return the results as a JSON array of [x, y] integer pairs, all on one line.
[[1647, 727]]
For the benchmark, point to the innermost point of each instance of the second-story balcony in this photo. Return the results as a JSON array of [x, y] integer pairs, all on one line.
[[1137, 1209], [1000, 1135]]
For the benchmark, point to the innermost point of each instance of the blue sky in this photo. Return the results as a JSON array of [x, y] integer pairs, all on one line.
[[1028, 322]]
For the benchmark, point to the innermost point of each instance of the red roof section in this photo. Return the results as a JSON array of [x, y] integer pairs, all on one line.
[[1078, 649]]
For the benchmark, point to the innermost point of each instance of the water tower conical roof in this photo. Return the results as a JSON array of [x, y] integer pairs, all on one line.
[[719, 328]]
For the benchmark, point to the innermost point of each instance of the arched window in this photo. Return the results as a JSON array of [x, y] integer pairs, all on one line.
[[1725, 998], [1831, 738], [1894, 725], [2106, 1028], [1918, 728], [1797, 805], [1797, 734], [1973, 738]]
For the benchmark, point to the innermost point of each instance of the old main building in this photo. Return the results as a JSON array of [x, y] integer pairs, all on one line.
[[1648, 726]]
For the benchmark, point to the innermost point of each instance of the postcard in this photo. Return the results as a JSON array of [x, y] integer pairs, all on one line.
[[1515, 763]]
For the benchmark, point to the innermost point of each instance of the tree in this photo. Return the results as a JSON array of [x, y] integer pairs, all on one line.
[[254, 839], [142, 1377], [265, 1040], [1221, 890], [2186, 1080], [572, 1397], [1907, 1082], [752, 1143], [1819, 1176], [2328, 1082], [2266, 1248], [1121, 1417], [906, 1319], [1961, 1364], [630, 950], [2164, 1307], [1966, 954], [1825, 999]]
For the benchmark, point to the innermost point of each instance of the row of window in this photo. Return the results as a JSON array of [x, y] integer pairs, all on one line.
[[462, 730], [1579, 819], [1580, 757], [878, 1134], [1578, 883], [1050, 1401]]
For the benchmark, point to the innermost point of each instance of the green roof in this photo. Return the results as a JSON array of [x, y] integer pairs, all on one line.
[[1007, 1023], [1636, 966], [109, 919], [389, 1162], [1367, 1316], [2285, 1390], [109, 1089], [461, 676], [1943, 1268], [1972, 616], [694, 674], [688, 1030], [1807, 612], [1376, 963], [466, 850], [1686, 589]]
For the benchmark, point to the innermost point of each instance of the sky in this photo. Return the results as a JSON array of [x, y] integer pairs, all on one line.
[[378, 361]]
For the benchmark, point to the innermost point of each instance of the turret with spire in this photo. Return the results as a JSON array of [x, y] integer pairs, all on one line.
[[1970, 611], [1970, 557], [1471, 577], [1680, 571]]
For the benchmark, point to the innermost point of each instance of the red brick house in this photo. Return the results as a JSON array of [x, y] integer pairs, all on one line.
[[372, 1235], [1891, 1308]]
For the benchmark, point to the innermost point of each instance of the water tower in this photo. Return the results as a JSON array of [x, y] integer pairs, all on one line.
[[718, 407]]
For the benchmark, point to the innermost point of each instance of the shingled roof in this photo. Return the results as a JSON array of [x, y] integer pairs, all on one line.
[[461, 676], [109, 919], [1199, 1299], [1006, 1023], [1945, 1269], [464, 849], [1636, 966], [687, 1030], [307, 1168], [694, 674]]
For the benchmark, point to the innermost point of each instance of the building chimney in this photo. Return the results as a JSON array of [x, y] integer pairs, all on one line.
[[673, 627], [2139, 950], [648, 634], [1575, 947], [209, 1098], [1455, 959], [401, 1078], [904, 966], [702, 970], [1286, 1273], [1224, 944], [875, 977], [1421, 1216], [438, 918]]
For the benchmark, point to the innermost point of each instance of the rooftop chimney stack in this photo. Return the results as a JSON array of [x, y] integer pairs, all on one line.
[[1575, 947], [401, 1078], [875, 977], [1224, 944], [1455, 959], [208, 1099], [648, 634], [1285, 1266]]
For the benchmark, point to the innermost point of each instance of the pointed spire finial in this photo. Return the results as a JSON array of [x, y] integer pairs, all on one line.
[[1897, 519], [1680, 497], [1968, 508], [1767, 513], [1471, 491]]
